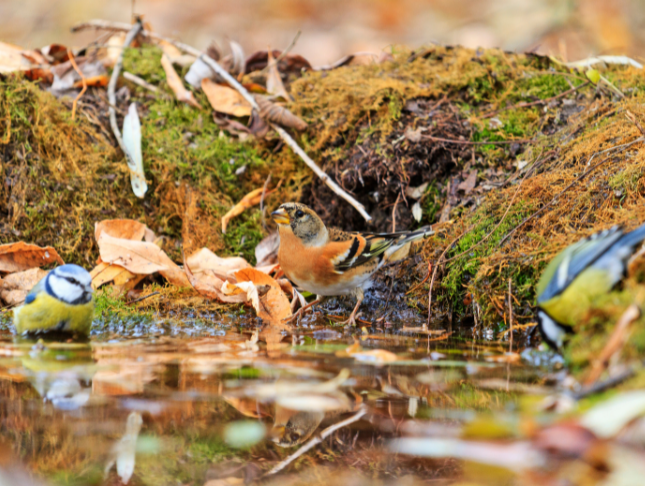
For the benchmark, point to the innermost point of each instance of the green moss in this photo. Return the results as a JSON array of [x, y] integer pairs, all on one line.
[[145, 62], [541, 86]]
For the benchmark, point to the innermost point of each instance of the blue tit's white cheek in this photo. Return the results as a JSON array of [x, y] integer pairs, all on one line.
[[64, 290], [552, 331]]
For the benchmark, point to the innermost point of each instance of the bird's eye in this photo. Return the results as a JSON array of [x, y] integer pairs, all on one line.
[[300, 213]]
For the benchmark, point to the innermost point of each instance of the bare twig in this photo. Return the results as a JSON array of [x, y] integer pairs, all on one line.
[[510, 314], [317, 440], [398, 196], [144, 297], [83, 80], [615, 343], [132, 33], [143, 83], [264, 192], [283, 54], [215, 66]]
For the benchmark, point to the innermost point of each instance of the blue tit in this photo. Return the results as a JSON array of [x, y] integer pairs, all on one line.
[[62, 301], [580, 274]]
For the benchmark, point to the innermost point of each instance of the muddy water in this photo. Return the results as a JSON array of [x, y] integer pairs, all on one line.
[[225, 405]]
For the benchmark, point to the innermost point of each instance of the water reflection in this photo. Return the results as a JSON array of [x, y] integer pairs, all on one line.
[[161, 410]]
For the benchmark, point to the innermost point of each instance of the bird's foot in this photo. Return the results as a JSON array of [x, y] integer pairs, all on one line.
[[301, 311]]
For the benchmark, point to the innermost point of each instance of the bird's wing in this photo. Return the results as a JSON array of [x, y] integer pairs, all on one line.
[[361, 248], [33, 293], [565, 267]]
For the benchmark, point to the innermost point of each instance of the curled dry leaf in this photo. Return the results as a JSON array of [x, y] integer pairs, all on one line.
[[204, 261], [251, 199], [225, 99], [290, 63], [273, 305], [123, 279], [210, 285], [279, 114], [15, 287], [266, 253], [275, 86], [140, 258], [174, 81], [16, 257], [12, 58]]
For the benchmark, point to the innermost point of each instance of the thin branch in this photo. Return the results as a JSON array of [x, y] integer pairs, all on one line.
[[510, 314], [317, 440], [83, 79], [215, 66], [283, 54], [132, 33], [143, 83]]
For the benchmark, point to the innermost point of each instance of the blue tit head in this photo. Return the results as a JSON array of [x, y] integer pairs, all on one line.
[[70, 284]]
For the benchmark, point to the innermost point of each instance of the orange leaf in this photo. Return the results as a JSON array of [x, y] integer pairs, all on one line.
[[274, 304], [16, 257], [100, 80], [175, 83], [248, 201], [128, 229], [225, 99]]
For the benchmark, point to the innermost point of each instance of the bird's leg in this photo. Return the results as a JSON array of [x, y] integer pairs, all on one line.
[[352, 317], [302, 310]]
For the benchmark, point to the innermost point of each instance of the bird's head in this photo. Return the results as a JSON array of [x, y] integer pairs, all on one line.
[[302, 221], [70, 284]]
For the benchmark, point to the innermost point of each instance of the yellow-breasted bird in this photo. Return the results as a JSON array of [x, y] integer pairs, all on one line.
[[328, 261], [62, 301], [580, 274]]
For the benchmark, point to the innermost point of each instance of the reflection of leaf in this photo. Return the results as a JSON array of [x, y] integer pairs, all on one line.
[[251, 199], [244, 433], [16, 257], [141, 258], [132, 143], [15, 287], [174, 81], [609, 417], [279, 114], [123, 452], [225, 99], [374, 356]]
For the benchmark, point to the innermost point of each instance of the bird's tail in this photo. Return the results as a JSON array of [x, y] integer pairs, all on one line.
[[633, 238], [401, 242]]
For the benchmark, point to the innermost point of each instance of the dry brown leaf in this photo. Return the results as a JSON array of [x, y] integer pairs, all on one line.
[[225, 99], [15, 287], [274, 304], [248, 201], [205, 260], [16, 257], [275, 86], [175, 83], [140, 258], [12, 58], [469, 184], [266, 253], [123, 279], [279, 114], [210, 286], [128, 229]]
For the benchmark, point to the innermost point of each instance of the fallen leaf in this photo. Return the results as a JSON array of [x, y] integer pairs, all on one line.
[[414, 136], [275, 86], [141, 258], [16, 257], [210, 285], [469, 184], [123, 279], [266, 253], [174, 81], [204, 261], [290, 63], [66, 76], [609, 417], [132, 143], [225, 99], [113, 48], [248, 201], [12, 59], [273, 306], [15, 287], [128, 229], [197, 72], [174, 54], [100, 80], [279, 114], [417, 212], [416, 192]]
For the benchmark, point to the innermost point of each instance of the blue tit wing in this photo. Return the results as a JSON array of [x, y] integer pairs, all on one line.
[[31, 296], [566, 266]]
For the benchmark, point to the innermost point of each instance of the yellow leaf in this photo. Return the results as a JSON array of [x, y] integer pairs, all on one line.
[[225, 99]]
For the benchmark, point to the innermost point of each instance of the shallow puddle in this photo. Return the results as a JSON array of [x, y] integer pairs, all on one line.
[[227, 406]]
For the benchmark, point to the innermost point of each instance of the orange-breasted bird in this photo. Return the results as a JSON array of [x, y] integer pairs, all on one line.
[[328, 261]]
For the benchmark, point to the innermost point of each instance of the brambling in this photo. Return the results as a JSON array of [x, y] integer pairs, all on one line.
[[328, 261]]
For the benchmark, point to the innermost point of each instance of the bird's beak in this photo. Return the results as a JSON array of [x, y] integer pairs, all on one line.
[[280, 216]]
